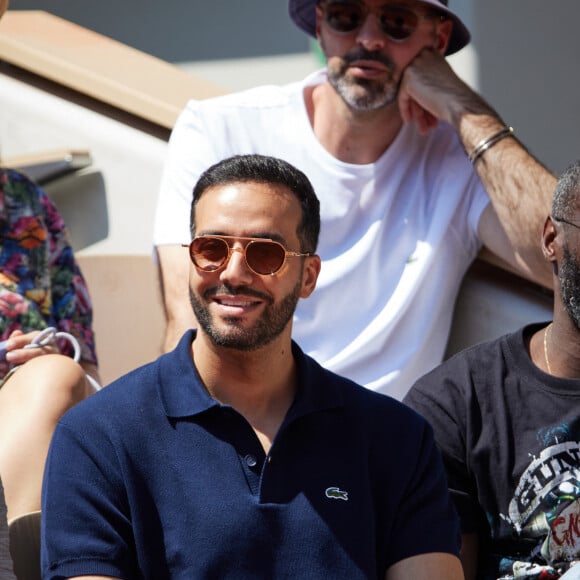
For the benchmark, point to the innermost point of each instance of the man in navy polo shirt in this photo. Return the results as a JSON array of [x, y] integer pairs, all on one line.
[[236, 455]]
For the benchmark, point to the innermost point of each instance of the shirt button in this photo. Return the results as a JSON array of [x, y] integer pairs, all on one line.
[[250, 461]]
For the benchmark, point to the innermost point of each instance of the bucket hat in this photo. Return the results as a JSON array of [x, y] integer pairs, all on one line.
[[303, 14]]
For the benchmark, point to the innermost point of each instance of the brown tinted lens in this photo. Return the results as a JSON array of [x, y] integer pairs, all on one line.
[[343, 16], [398, 22], [209, 254], [265, 257]]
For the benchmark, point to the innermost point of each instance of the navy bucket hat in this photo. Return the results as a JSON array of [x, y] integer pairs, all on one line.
[[303, 14]]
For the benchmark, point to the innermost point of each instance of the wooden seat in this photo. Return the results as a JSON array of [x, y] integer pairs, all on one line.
[[129, 321]]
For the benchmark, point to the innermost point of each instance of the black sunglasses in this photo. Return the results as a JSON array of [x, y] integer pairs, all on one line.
[[397, 21], [264, 257]]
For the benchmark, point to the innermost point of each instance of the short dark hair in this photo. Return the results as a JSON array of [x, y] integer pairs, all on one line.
[[270, 170], [567, 194]]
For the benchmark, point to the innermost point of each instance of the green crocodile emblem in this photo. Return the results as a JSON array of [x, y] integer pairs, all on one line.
[[336, 493]]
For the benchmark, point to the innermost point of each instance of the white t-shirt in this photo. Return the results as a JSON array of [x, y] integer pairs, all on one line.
[[396, 237]]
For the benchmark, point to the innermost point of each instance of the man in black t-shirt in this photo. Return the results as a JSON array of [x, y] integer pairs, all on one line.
[[506, 416]]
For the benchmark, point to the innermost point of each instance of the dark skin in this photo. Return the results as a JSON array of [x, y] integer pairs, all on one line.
[[562, 342], [563, 337]]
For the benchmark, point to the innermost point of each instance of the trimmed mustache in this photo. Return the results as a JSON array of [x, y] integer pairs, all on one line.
[[363, 54], [228, 290]]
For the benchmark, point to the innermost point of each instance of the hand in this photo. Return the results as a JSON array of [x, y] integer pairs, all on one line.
[[430, 90], [17, 354]]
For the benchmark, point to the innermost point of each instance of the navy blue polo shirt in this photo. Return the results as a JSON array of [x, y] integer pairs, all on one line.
[[152, 478]]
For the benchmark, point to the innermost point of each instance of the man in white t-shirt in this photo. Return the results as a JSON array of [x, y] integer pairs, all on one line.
[[382, 134]]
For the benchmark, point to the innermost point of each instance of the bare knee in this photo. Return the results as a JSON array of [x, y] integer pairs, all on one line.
[[50, 382]]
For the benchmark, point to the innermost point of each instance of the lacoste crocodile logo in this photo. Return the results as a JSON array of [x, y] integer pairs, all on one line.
[[336, 493]]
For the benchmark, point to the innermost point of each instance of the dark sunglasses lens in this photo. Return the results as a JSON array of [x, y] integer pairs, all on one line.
[[209, 254], [265, 257], [343, 17], [398, 23]]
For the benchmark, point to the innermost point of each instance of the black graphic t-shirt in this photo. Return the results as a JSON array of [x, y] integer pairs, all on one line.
[[510, 438]]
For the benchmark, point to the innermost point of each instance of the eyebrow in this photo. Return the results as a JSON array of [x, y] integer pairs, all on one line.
[[260, 236]]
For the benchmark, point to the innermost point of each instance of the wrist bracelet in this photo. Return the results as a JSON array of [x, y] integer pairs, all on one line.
[[488, 142]]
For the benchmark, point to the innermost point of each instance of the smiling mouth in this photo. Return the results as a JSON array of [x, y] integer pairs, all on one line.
[[232, 305]]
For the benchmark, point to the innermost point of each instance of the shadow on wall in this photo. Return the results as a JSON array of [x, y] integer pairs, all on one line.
[[528, 52], [82, 201]]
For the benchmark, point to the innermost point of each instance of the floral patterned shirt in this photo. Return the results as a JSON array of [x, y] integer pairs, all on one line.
[[40, 282]]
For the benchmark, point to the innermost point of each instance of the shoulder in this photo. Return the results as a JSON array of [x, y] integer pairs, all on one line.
[[474, 369], [372, 411], [117, 401], [139, 393], [259, 98]]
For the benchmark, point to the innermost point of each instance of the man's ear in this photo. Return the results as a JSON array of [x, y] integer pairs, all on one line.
[[442, 35], [550, 242], [310, 275]]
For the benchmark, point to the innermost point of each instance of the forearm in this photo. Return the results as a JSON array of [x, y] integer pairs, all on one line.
[[519, 186], [174, 280], [434, 566]]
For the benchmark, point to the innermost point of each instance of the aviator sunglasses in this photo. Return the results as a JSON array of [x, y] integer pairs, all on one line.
[[397, 21], [264, 257]]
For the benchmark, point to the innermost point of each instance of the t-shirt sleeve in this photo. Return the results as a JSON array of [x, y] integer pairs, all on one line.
[[426, 520], [440, 398], [85, 524]]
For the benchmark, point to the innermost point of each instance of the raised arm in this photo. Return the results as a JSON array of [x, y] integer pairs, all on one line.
[[435, 566], [519, 186], [173, 265]]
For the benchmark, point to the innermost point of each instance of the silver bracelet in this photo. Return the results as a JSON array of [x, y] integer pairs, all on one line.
[[488, 142]]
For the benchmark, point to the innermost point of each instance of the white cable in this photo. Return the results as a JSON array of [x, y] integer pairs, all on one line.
[[49, 335]]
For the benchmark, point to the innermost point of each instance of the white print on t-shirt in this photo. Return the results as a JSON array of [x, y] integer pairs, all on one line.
[[546, 507]]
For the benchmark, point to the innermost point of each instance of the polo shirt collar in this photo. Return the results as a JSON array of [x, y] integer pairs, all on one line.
[[183, 394]]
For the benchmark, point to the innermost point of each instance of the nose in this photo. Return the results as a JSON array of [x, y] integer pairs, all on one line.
[[236, 271], [370, 34]]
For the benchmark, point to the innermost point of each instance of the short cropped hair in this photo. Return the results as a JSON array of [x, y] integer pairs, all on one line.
[[567, 195], [268, 170]]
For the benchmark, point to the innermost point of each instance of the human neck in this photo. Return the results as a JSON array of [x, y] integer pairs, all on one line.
[[358, 137], [260, 384], [555, 350]]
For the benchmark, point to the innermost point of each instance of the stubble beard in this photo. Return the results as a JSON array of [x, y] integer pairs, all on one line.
[[363, 94], [268, 327], [569, 279]]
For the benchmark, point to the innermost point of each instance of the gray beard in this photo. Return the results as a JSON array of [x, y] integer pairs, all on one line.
[[364, 95]]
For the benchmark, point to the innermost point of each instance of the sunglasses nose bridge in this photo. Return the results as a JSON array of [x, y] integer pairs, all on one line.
[[236, 261], [370, 32]]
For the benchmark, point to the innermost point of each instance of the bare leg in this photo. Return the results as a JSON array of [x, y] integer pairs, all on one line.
[[31, 402]]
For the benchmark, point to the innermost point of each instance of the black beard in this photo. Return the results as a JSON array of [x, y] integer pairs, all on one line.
[[569, 278], [269, 326]]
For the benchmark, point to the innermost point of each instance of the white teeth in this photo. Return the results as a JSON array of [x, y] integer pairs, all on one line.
[[237, 303]]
